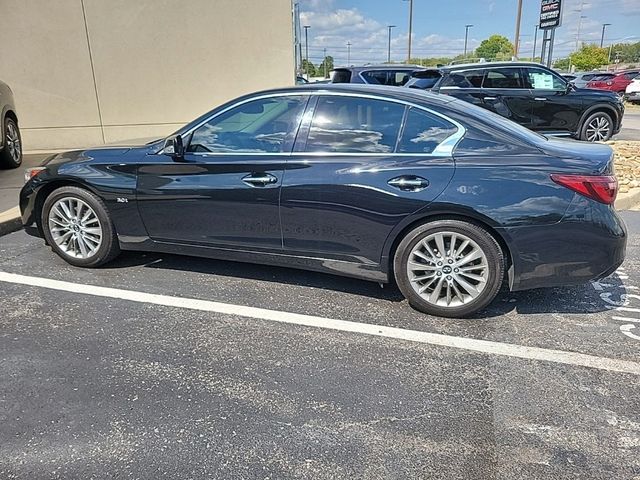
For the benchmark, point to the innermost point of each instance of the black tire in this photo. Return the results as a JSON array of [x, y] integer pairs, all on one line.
[[11, 153], [591, 122], [494, 271], [108, 249]]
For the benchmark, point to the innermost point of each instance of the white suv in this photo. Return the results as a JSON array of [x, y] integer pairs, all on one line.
[[633, 90]]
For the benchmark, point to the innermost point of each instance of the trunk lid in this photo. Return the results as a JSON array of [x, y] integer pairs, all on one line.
[[581, 157]]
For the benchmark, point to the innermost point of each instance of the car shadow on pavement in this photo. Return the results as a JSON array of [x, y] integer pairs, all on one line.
[[581, 299]]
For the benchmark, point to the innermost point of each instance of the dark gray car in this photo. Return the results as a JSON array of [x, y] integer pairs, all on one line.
[[10, 140]]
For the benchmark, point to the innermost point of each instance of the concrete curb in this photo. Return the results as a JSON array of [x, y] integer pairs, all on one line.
[[10, 221], [626, 201]]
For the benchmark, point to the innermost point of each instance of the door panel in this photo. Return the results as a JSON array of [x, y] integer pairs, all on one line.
[[554, 108], [205, 200], [344, 207], [504, 92]]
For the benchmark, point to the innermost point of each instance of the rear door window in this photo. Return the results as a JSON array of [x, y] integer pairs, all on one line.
[[464, 79], [423, 132], [504, 78], [354, 125]]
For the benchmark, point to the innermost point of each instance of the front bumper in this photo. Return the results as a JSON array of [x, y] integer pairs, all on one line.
[[632, 97]]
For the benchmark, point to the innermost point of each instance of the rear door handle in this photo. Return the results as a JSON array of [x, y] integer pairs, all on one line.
[[490, 98], [260, 179], [540, 99], [409, 183]]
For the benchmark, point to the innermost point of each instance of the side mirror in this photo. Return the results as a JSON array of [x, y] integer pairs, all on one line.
[[570, 87], [174, 147]]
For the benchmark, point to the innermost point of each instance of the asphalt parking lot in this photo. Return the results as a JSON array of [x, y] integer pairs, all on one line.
[[161, 366]]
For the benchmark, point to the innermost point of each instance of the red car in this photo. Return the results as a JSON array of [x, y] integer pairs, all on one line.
[[614, 82]]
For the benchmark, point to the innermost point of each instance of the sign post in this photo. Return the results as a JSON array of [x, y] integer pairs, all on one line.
[[550, 19]]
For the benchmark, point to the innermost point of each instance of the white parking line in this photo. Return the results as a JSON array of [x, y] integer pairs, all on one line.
[[470, 344]]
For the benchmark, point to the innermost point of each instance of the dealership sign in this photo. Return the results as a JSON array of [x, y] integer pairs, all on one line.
[[550, 14]]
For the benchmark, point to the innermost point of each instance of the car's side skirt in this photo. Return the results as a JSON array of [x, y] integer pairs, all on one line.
[[364, 271]]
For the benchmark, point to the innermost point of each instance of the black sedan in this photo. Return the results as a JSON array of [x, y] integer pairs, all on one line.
[[380, 183]]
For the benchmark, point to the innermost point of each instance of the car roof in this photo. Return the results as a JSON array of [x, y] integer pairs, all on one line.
[[467, 66], [380, 67], [392, 92]]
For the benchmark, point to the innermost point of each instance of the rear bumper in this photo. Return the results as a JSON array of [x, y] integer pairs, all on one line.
[[589, 243], [632, 96]]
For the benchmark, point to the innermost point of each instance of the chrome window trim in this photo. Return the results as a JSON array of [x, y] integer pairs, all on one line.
[[444, 148]]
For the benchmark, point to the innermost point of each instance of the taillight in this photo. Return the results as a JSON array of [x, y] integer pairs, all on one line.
[[601, 188]]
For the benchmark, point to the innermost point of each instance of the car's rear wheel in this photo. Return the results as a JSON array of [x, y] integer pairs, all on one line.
[[11, 154], [76, 224], [598, 127], [449, 268]]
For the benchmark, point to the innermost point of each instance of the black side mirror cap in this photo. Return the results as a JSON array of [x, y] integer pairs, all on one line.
[[174, 147]]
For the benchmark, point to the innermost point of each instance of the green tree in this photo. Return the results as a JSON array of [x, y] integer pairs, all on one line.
[[328, 60], [589, 57], [562, 64], [312, 68], [496, 47], [626, 52]]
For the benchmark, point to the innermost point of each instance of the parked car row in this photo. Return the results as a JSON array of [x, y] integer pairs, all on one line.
[[528, 93]]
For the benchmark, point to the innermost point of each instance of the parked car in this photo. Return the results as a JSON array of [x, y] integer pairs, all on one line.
[[582, 78], [10, 139], [632, 92], [569, 77], [614, 82], [377, 183], [392, 75], [535, 97]]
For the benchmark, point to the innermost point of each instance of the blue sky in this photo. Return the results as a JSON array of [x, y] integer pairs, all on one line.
[[438, 27]]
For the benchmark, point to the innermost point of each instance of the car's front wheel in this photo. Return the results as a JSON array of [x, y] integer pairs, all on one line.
[[76, 224], [598, 127], [11, 154], [449, 268]]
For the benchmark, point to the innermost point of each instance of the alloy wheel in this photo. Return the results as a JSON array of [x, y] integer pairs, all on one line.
[[13, 142], [448, 269], [598, 129], [75, 228]]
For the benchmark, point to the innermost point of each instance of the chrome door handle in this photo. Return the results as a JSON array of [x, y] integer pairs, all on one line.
[[540, 99], [490, 98], [409, 183], [260, 180]]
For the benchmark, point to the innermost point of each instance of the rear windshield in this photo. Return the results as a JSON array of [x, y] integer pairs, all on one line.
[[341, 76], [393, 78], [424, 79], [604, 76]]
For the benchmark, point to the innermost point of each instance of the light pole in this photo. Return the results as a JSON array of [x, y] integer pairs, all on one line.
[[410, 28], [389, 43], [324, 61], [604, 25], [516, 42], [466, 36], [348, 53], [535, 41], [306, 47]]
